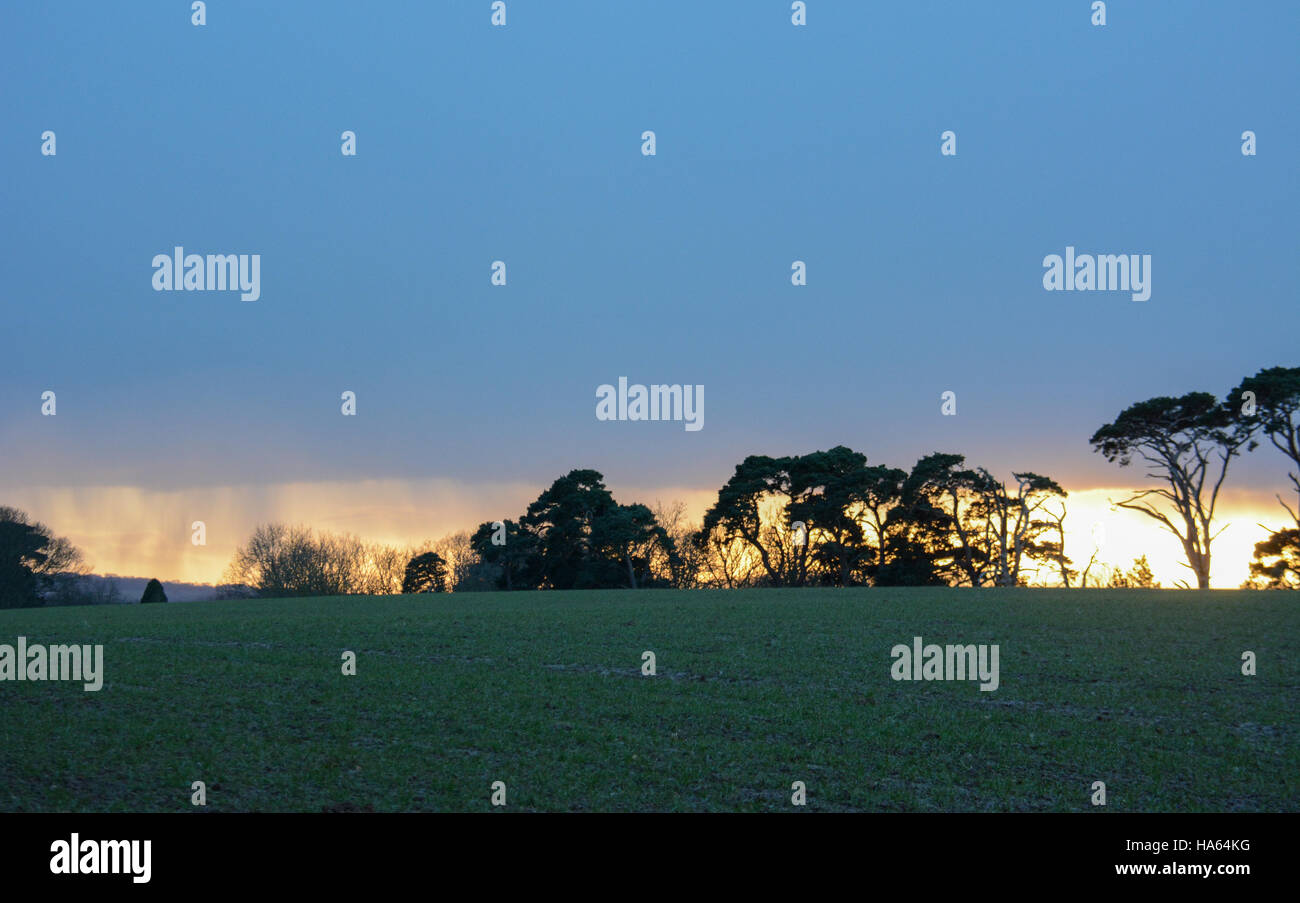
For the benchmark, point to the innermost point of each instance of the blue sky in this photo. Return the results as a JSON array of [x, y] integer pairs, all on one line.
[[522, 143]]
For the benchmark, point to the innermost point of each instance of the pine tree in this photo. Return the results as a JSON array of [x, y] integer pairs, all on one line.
[[153, 592], [425, 573]]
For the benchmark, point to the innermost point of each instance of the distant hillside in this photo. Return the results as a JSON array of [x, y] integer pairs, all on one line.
[[130, 589]]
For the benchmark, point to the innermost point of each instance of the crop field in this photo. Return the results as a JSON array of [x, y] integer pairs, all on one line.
[[753, 691]]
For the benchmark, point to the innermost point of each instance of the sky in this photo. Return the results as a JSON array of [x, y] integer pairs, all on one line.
[[523, 144]]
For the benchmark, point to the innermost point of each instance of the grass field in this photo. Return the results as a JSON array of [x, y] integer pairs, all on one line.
[[1140, 689]]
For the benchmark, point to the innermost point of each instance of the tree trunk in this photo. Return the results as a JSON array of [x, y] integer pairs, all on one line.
[[1200, 562]]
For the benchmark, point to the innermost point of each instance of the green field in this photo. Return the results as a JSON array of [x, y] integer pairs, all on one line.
[[755, 689]]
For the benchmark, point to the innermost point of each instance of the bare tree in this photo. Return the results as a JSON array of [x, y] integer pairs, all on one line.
[[456, 550], [1092, 560], [682, 571], [385, 567], [1013, 529], [727, 563], [279, 560], [1062, 561]]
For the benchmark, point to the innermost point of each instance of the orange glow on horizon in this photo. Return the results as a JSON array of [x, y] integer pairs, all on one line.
[[136, 532]]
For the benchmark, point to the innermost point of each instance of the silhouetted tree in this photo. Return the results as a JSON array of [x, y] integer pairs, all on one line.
[[1140, 574], [1055, 549], [919, 529], [21, 551], [384, 568], [281, 561], [882, 491], [33, 561], [507, 555], [458, 552], [726, 563], [565, 521], [1187, 443], [1277, 561], [828, 490], [1138, 577], [153, 592], [685, 568], [1018, 526], [957, 543], [749, 509], [630, 535], [1276, 414], [575, 536], [425, 573]]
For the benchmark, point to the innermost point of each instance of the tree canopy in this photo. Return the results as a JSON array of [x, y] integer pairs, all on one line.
[[425, 573], [1186, 443]]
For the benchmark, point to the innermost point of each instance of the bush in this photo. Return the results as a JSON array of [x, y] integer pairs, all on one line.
[[153, 592]]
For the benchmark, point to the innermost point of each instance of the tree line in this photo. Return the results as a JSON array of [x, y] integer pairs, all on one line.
[[831, 518], [826, 518]]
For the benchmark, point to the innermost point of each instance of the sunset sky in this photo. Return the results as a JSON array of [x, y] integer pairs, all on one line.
[[523, 144]]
